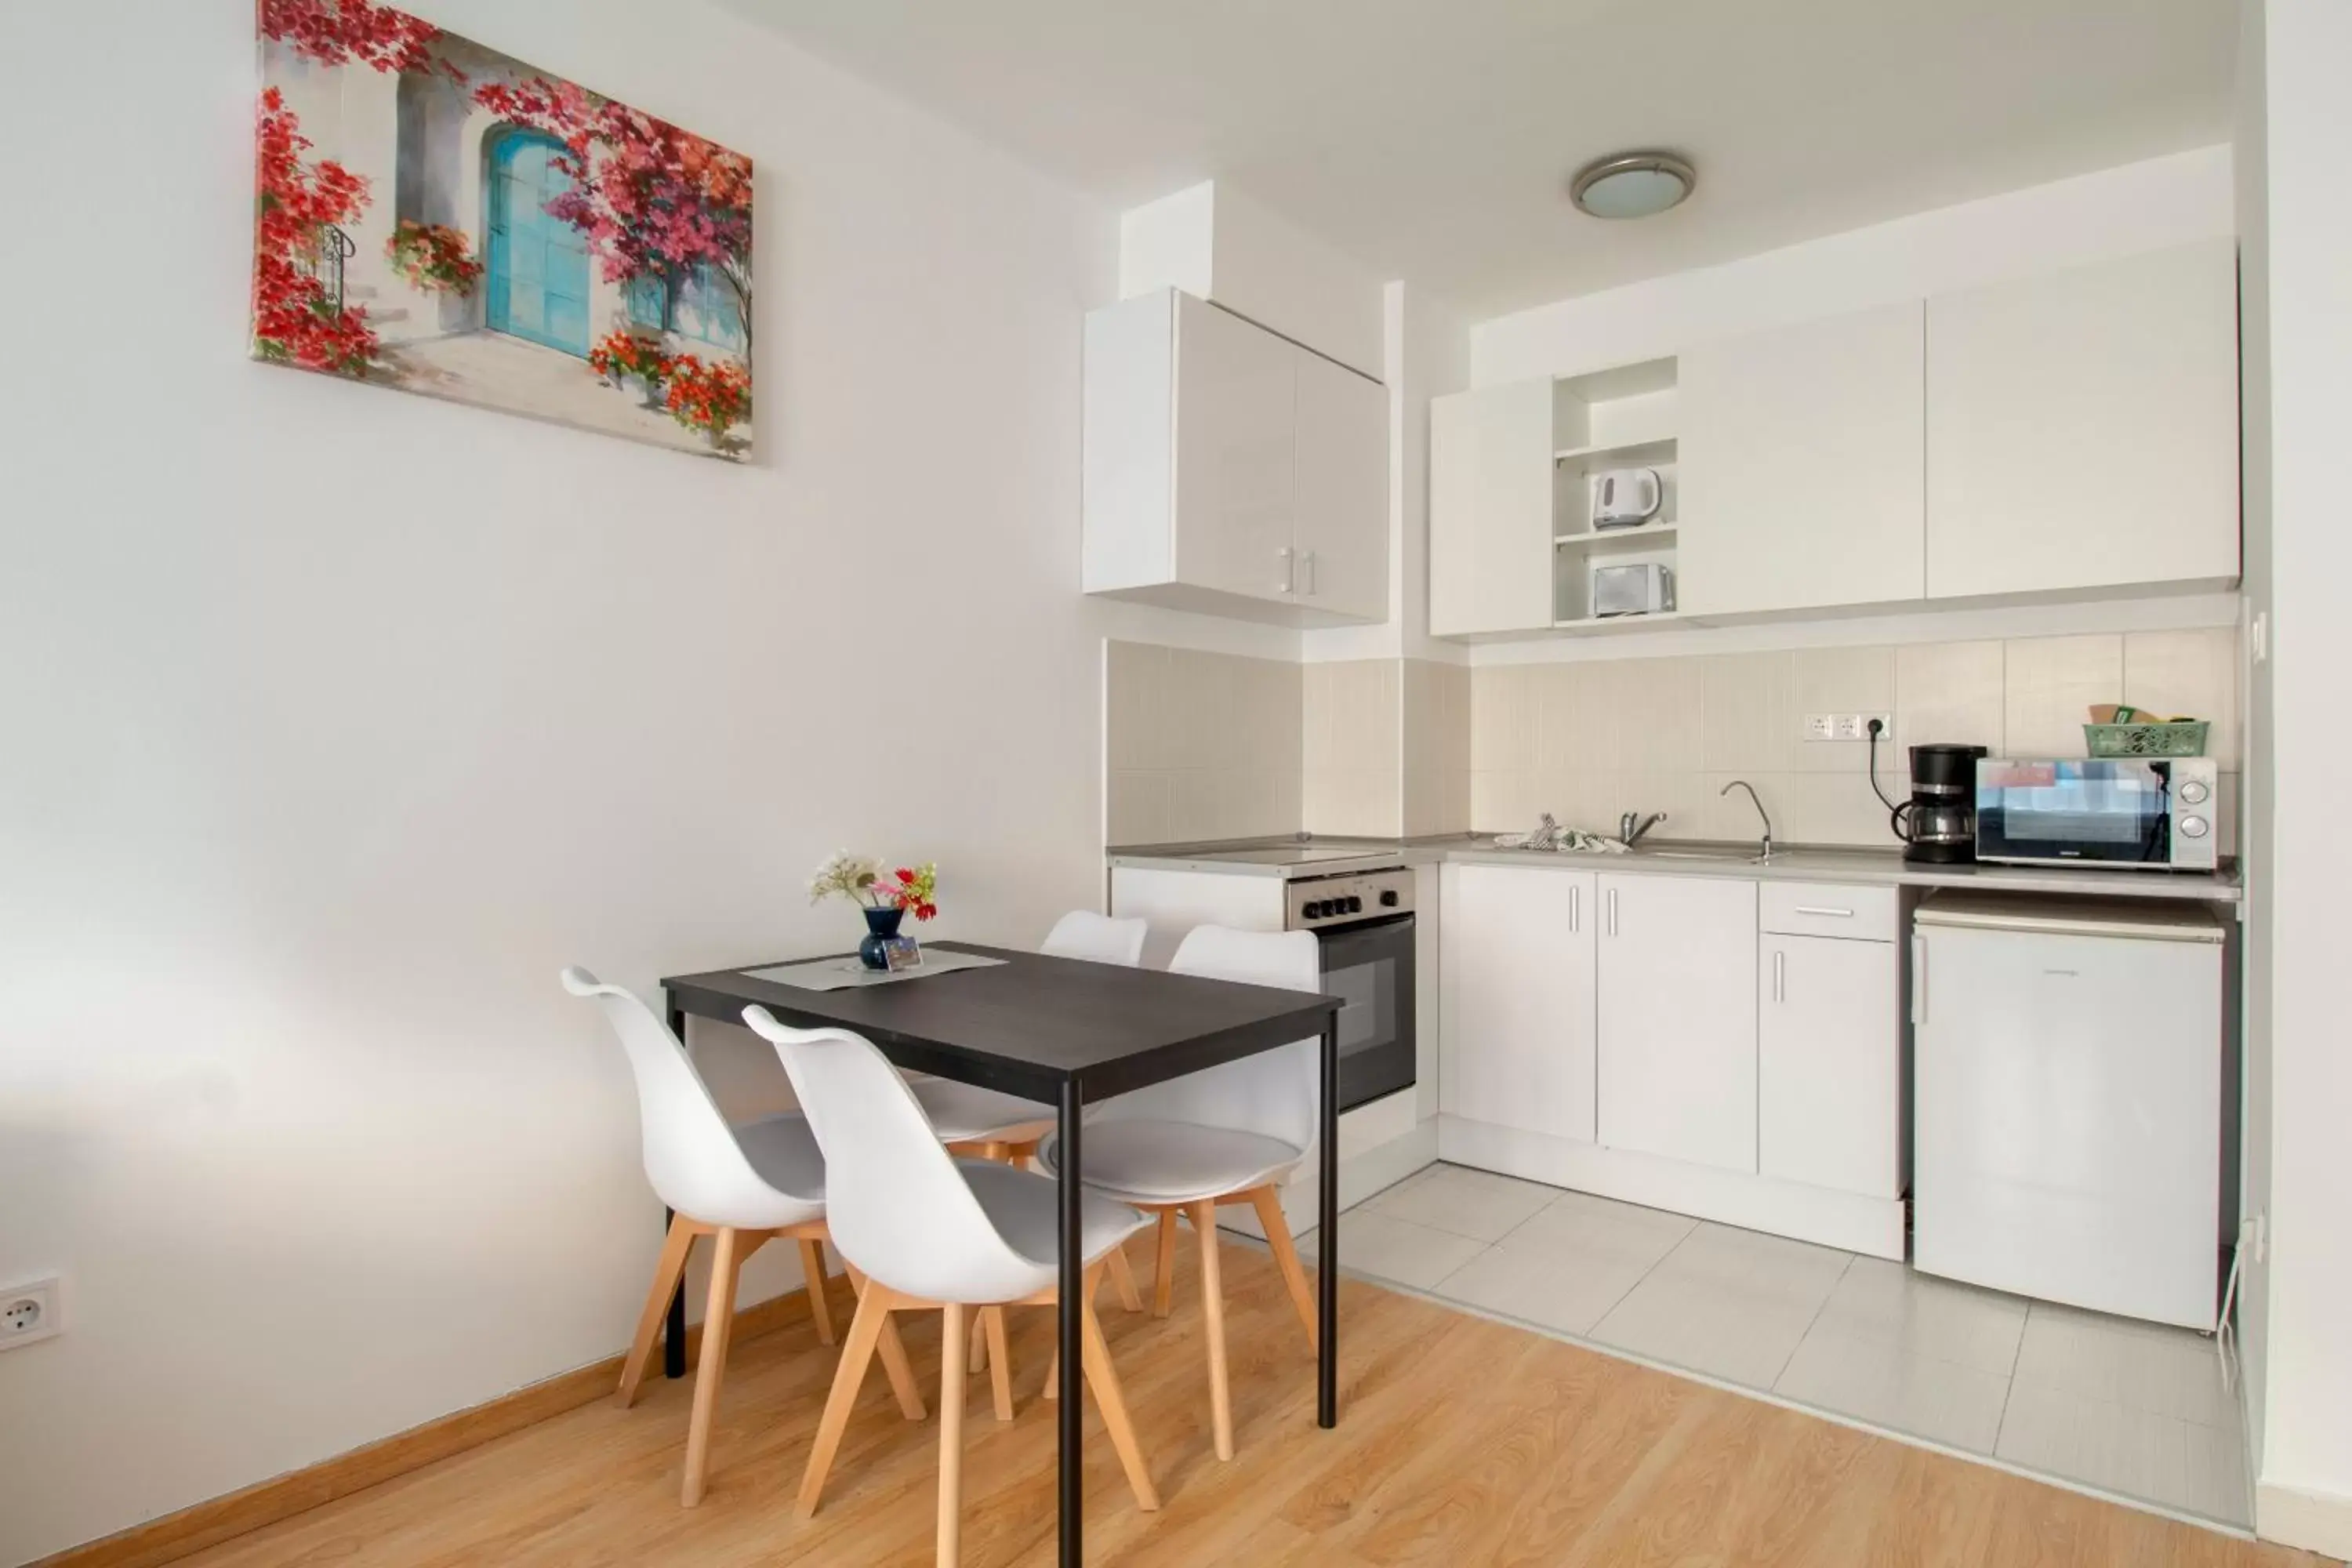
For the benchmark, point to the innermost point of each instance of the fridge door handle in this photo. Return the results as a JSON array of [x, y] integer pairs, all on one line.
[[1779, 975], [1919, 978]]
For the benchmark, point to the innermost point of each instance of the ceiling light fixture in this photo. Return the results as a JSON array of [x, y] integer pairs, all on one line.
[[1633, 185]]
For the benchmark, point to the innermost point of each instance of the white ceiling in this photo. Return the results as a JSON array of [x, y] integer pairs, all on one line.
[[1432, 139]]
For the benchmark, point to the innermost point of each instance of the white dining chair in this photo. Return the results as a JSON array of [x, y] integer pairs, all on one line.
[[933, 1232], [742, 1186], [1229, 1135], [987, 1125]]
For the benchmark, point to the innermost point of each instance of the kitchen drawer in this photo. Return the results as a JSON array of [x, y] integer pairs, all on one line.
[[1823, 909]]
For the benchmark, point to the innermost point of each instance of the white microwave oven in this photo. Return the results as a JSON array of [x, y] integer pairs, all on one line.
[[2127, 813]]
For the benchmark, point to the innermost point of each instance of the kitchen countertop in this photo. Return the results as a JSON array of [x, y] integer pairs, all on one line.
[[1676, 858]]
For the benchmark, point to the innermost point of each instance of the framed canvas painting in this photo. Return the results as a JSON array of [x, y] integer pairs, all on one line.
[[438, 217]]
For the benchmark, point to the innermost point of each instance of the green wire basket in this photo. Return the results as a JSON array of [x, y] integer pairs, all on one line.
[[2182, 740]]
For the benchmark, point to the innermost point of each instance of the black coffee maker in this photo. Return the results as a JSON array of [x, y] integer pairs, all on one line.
[[1939, 822]]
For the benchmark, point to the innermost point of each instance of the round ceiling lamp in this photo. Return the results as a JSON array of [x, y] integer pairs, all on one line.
[[1633, 185]]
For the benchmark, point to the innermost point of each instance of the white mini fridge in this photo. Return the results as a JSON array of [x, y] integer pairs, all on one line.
[[2066, 1101]]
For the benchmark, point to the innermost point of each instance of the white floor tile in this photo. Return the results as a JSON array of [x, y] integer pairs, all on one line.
[[2141, 1366], [1730, 1303], [2179, 1464], [1920, 1315], [1569, 1264], [1877, 1380], [1475, 1204], [1388, 1249]]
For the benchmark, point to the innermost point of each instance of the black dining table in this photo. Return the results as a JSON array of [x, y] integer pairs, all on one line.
[[1068, 1033]]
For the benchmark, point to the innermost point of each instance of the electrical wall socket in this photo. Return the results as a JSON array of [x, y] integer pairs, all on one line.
[[28, 1312], [1847, 726]]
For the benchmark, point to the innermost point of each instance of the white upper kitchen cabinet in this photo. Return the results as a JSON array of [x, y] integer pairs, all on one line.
[[1803, 466], [1829, 1063], [2083, 428], [1229, 471], [1490, 510], [1515, 985], [1342, 480], [1677, 1018]]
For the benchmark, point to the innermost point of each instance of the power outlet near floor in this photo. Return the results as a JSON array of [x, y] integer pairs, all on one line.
[[28, 1312]]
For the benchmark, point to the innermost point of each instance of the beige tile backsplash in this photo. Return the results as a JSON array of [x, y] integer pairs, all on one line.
[[1200, 745], [1206, 746], [1591, 740]]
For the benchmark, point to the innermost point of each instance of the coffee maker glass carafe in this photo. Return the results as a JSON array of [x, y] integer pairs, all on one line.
[[1939, 822]]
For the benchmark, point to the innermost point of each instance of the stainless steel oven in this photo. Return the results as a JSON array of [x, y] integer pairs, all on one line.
[[1364, 922]]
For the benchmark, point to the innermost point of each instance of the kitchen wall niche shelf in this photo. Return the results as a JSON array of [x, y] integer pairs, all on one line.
[[1618, 454], [1621, 538]]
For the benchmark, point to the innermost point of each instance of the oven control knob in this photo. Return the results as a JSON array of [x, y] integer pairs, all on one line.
[[1312, 911], [1352, 905], [1389, 898], [2194, 792], [2194, 827]]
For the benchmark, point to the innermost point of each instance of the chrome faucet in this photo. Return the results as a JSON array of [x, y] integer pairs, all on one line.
[[1632, 824], [1743, 784]]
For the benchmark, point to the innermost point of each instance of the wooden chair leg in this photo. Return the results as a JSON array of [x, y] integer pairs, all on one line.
[[1112, 1402], [1000, 1364], [1163, 1281], [1212, 1306], [717, 1328], [865, 1331], [667, 1274], [894, 1355], [813, 1269], [1123, 1280], [951, 1391], [1270, 1219]]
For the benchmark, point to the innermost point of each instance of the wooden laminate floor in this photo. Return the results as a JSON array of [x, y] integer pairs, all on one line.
[[1460, 1442]]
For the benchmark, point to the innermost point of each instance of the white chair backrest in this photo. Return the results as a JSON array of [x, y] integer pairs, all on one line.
[[691, 1156], [1082, 933], [897, 1205], [1275, 1092]]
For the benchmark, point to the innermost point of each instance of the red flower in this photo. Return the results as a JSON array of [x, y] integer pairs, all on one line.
[[925, 911], [295, 205], [904, 875], [340, 31]]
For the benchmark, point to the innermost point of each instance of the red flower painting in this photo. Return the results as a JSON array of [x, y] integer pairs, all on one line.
[[432, 215]]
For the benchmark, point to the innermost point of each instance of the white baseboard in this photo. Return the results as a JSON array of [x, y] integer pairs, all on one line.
[[1847, 1220], [2316, 1521], [1380, 1145]]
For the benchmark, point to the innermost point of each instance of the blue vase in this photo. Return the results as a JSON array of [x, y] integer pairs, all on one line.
[[881, 925]]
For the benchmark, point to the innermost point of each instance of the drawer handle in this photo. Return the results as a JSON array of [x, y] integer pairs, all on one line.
[[1825, 909]]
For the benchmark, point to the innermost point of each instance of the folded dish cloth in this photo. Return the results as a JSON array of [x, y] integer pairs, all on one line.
[[1550, 835]]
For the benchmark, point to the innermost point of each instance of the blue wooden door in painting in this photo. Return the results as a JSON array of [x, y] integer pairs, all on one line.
[[538, 264]]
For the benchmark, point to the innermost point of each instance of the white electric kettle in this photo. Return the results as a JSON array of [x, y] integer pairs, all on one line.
[[1626, 497]]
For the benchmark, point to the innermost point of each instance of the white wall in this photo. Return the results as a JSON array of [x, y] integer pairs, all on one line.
[[337, 720], [2302, 860], [2116, 212]]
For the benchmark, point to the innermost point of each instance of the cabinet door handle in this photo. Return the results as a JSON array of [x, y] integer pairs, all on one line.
[[1307, 560], [1575, 911], [1289, 568], [1779, 976], [1613, 912], [1919, 978], [1825, 909]]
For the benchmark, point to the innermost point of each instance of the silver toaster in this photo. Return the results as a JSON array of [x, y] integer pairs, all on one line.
[[1643, 589]]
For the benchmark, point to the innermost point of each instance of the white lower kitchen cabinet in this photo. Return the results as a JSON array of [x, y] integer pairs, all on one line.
[[1517, 1014], [1678, 1018], [1829, 1049]]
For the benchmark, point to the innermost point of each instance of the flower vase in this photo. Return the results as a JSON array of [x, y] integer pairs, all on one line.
[[655, 398], [881, 928]]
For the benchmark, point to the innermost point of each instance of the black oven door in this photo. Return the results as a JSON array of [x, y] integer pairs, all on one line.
[[1370, 968]]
